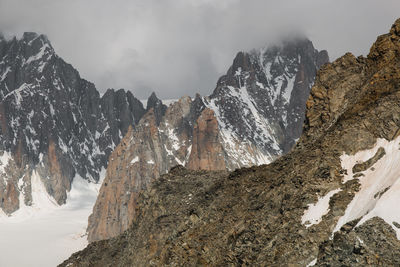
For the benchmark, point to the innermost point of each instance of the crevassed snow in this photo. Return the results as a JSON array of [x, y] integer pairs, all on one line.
[[313, 215], [379, 194], [48, 236]]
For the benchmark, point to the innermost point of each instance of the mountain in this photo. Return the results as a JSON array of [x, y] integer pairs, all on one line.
[[54, 126], [254, 115], [261, 100], [331, 201]]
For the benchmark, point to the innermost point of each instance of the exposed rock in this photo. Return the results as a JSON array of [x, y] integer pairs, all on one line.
[[359, 167], [207, 151], [52, 122], [260, 102], [253, 216], [240, 124], [158, 107], [145, 153], [374, 243]]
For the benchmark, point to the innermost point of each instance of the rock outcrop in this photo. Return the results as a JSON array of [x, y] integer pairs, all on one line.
[[53, 123], [287, 212], [254, 115]]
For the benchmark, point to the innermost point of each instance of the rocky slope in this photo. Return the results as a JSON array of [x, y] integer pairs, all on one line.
[[260, 102], [254, 115], [53, 124], [331, 201]]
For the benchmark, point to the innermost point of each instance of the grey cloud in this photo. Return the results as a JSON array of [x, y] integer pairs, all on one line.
[[179, 47]]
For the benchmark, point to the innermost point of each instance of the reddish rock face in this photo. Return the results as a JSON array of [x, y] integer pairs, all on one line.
[[254, 115], [146, 152], [207, 151]]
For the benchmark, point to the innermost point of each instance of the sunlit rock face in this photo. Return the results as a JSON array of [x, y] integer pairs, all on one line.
[[53, 122]]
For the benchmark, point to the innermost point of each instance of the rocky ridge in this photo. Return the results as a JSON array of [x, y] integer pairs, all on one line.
[[53, 124], [254, 115], [262, 215]]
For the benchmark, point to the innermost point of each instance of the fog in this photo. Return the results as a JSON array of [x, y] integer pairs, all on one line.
[[180, 47]]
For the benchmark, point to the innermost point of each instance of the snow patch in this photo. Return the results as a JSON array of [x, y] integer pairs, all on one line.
[[313, 215], [312, 263], [58, 231], [4, 159], [39, 55], [134, 160], [379, 194], [4, 75]]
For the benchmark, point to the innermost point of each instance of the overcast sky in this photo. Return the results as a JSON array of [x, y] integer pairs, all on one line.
[[180, 47]]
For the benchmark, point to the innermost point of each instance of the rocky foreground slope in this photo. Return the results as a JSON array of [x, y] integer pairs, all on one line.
[[254, 115], [331, 201], [53, 124]]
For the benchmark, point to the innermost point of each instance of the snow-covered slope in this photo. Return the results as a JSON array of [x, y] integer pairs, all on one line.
[[380, 185], [260, 102], [53, 123], [34, 236]]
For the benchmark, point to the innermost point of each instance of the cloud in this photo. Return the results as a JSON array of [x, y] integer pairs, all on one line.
[[179, 47]]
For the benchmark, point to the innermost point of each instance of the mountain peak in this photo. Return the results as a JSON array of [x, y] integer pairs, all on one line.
[[30, 36], [159, 108], [396, 28]]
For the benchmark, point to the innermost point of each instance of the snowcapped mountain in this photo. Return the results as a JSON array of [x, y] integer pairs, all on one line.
[[333, 200], [260, 102], [53, 124], [254, 115]]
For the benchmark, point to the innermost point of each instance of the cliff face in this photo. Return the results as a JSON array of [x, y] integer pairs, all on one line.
[[144, 154], [207, 151], [332, 200], [260, 102], [53, 123], [254, 115]]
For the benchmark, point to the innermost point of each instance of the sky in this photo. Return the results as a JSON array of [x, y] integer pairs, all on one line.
[[180, 47]]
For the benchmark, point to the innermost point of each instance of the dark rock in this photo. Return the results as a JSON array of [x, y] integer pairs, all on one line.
[[360, 167], [53, 122]]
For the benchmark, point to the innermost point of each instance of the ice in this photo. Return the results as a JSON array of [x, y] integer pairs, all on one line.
[[313, 215], [51, 233], [379, 194]]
